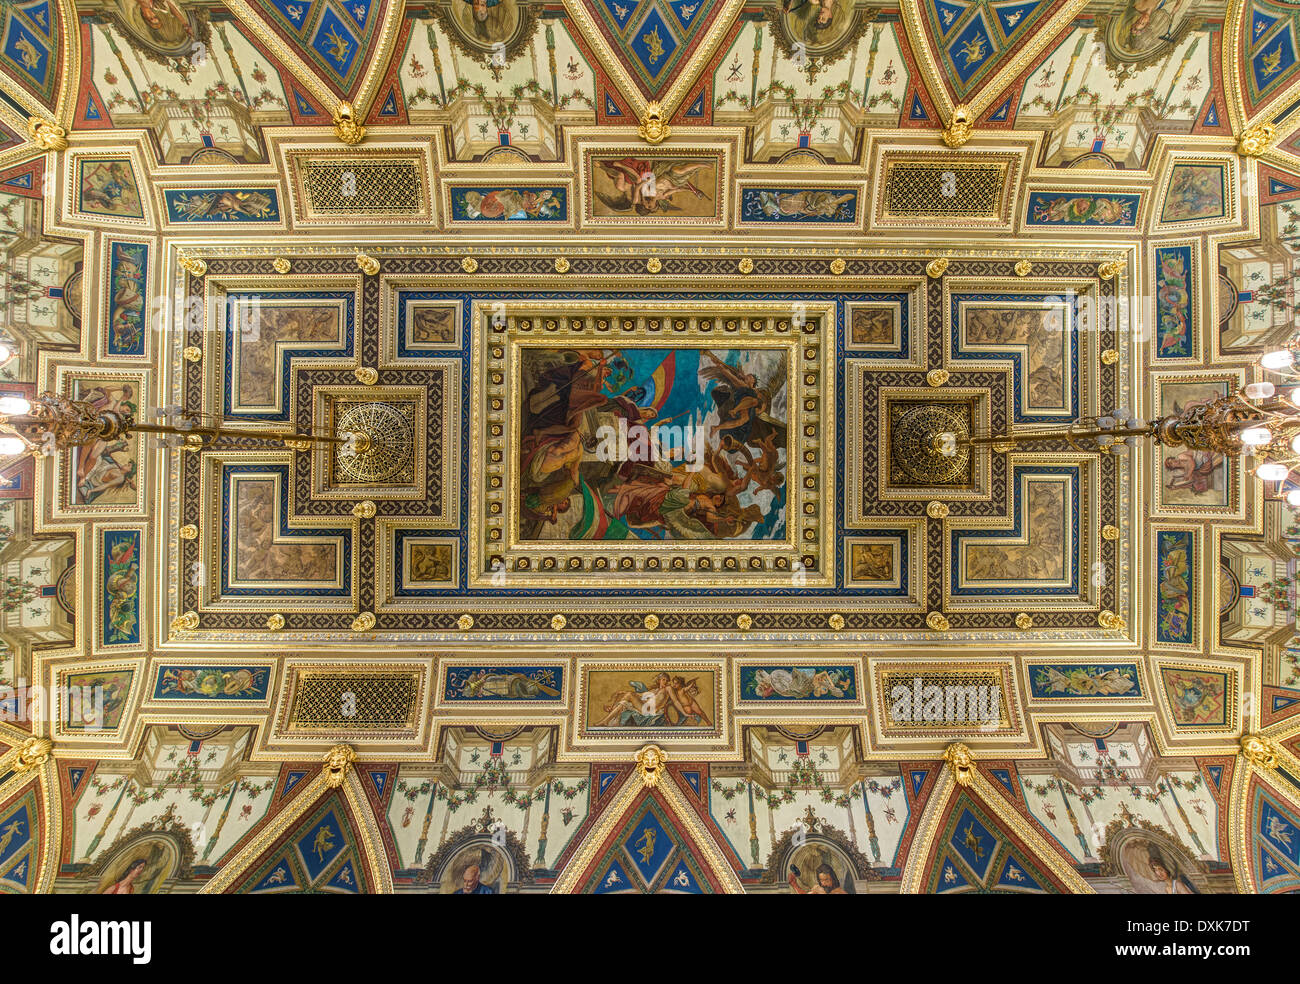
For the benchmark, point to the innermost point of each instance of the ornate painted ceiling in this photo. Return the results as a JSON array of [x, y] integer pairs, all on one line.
[[490, 236]]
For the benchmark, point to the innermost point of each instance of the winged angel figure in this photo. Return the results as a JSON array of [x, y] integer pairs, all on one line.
[[650, 187]]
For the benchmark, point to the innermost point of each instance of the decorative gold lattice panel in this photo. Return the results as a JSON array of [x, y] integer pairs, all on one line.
[[335, 188], [973, 190], [358, 701]]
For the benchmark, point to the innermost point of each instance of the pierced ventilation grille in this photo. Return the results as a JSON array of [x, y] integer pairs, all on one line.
[[363, 186], [355, 701], [943, 189]]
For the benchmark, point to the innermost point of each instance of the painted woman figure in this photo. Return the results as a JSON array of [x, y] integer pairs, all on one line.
[[126, 884], [492, 20]]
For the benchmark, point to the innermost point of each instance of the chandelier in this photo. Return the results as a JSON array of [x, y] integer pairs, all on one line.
[[50, 422], [1257, 421]]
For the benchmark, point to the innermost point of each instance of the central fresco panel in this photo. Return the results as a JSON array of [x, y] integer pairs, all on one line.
[[676, 450], [642, 439]]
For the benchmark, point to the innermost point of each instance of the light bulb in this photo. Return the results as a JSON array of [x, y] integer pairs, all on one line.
[[1277, 359], [1293, 497], [1272, 472], [1295, 444], [1259, 391], [1256, 435], [1105, 423], [11, 405], [6, 353], [10, 446]]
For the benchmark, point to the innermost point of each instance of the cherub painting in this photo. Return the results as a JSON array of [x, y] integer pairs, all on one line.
[[666, 700], [508, 203], [430, 562], [684, 187]]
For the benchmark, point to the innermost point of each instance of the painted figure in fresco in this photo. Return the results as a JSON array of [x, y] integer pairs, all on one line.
[[126, 884], [430, 563], [142, 874], [164, 18], [487, 21], [799, 683], [675, 503], [1150, 873], [828, 883], [742, 404], [1149, 22], [668, 701], [207, 682], [1194, 697], [726, 481], [687, 691], [512, 203], [824, 204], [1195, 192], [259, 555], [815, 22], [115, 689], [8, 832], [765, 473], [647, 188], [1041, 557], [1040, 332], [872, 326], [106, 466], [872, 562], [1195, 470], [110, 188], [470, 884], [433, 324], [1145, 31]]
